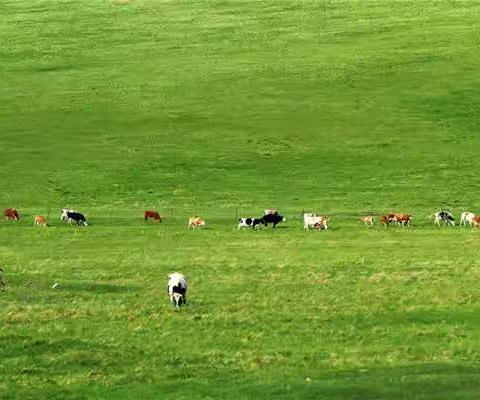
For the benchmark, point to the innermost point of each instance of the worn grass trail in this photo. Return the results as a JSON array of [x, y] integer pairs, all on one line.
[[222, 109]]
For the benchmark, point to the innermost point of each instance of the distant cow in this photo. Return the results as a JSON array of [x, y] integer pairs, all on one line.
[[195, 222], [270, 211], [444, 216], [311, 220], [2, 283], [388, 219], [467, 218], [367, 219], [250, 223], [177, 289], [273, 219], [76, 217], [476, 221], [11, 213], [40, 220], [403, 219], [152, 215], [64, 216]]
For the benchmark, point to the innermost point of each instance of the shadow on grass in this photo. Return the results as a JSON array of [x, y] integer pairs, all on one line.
[[99, 288], [423, 381]]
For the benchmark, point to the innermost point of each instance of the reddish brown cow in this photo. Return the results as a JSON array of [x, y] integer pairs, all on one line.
[[403, 219], [11, 213], [476, 221], [152, 215], [387, 219]]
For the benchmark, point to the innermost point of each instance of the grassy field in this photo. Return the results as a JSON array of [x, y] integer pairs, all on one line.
[[221, 109]]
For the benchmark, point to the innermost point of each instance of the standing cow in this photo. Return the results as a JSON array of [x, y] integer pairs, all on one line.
[[40, 220], [195, 222], [76, 217], [467, 218], [311, 220], [152, 215], [177, 289], [254, 223], [270, 211], [273, 219], [65, 211], [11, 213], [367, 220], [444, 216]]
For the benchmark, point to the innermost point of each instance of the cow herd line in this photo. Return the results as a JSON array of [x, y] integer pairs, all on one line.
[[270, 216], [177, 283]]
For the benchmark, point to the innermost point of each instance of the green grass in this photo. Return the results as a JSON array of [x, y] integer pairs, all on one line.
[[221, 109]]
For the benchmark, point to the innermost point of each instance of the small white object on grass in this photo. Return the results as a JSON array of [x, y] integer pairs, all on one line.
[[55, 285]]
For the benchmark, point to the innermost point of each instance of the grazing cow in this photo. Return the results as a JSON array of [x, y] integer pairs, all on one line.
[[2, 283], [367, 219], [273, 219], [467, 218], [152, 215], [195, 222], [177, 289], [314, 221], [476, 221], [250, 222], [270, 211], [388, 219], [65, 211], [444, 216], [11, 213], [77, 217], [403, 219], [40, 220], [322, 223]]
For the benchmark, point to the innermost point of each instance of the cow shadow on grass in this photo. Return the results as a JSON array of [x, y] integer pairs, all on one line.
[[99, 288]]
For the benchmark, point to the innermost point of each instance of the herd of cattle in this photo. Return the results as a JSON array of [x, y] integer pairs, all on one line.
[[270, 216]]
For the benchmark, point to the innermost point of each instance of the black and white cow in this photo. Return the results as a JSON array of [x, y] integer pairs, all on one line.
[[77, 217], [177, 289], [250, 223], [64, 216], [273, 219], [444, 216]]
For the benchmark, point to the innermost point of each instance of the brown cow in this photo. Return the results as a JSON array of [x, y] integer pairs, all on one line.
[[367, 219], [476, 221], [11, 213], [152, 215], [387, 219], [40, 220], [403, 219]]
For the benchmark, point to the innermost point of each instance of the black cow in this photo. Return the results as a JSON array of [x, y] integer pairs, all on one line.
[[273, 219], [76, 217]]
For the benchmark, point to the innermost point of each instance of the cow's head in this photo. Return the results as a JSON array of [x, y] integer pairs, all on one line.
[[178, 299]]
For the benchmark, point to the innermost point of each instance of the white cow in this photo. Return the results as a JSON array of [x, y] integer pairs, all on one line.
[[467, 218], [314, 221], [177, 289]]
